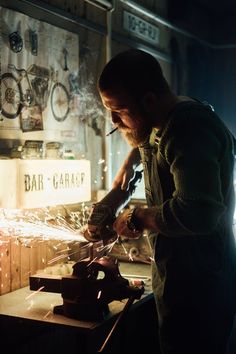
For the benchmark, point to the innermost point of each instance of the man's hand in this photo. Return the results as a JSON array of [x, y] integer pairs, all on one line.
[[121, 226]]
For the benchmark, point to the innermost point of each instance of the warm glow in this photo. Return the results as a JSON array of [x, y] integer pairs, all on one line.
[[53, 182], [28, 225], [40, 183]]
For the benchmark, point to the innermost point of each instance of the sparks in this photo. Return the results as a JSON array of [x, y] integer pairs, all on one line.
[[34, 293], [15, 223]]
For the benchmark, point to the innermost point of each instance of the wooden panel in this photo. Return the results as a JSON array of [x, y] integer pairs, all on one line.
[[33, 261], [15, 260], [42, 253], [25, 263], [4, 265], [57, 251]]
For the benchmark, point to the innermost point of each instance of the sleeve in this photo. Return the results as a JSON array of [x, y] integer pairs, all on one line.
[[193, 150]]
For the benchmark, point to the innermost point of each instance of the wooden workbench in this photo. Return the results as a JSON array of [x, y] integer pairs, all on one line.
[[29, 326]]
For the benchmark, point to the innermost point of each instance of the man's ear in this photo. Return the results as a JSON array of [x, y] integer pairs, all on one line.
[[149, 101]]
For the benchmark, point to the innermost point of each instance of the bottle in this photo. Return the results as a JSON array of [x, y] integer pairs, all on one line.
[[69, 155]]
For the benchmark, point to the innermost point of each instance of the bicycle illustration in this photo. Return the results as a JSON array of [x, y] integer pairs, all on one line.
[[18, 90]]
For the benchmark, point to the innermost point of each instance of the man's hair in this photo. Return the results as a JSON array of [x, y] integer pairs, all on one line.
[[135, 71]]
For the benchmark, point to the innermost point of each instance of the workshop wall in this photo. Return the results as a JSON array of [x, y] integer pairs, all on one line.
[[190, 64], [75, 39]]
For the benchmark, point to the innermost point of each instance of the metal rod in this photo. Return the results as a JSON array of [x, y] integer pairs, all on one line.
[[101, 4], [118, 320]]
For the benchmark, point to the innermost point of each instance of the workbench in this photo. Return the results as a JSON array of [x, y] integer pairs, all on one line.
[[29, 326]]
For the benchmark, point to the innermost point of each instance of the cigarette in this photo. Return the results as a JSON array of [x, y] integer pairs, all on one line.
[[112, 131]]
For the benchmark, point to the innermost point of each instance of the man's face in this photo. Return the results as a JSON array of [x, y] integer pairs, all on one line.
[[128, 115]]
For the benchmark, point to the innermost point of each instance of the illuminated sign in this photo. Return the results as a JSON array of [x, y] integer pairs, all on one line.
[[140, 28], [42, 183], [53, 182]]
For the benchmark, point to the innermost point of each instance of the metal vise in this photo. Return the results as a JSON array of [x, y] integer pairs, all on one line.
[[91, 287]]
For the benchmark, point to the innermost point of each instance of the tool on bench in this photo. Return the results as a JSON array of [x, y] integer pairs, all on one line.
[[104, 213], [88, 291]]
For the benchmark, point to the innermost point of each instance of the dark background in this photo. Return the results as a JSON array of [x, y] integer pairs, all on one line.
[[210, 59]]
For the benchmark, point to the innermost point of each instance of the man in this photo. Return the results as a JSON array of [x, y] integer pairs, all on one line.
[[187, 155]]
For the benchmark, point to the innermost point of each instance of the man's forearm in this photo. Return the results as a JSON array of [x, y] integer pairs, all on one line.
[[133, 159]]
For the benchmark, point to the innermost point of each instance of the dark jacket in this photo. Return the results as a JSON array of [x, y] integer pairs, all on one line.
[[188, 172]]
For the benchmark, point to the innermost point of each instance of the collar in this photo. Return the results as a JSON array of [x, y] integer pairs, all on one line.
[[152, 140], [155, 137]]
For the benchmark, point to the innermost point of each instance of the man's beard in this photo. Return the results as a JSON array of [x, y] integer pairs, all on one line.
[[136, 137]]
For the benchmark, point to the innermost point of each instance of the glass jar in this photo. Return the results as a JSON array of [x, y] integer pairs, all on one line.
[[32, 149], [54, 150]]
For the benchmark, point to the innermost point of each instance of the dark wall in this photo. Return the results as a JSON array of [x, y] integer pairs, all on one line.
[[224, 77], [212, 78], [210, 54]]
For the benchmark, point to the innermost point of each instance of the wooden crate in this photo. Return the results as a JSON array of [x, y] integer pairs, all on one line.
[[5, 284], [15, 263], [21, 257]]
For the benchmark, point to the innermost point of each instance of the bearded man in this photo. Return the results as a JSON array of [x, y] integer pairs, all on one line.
[[187, 154]]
